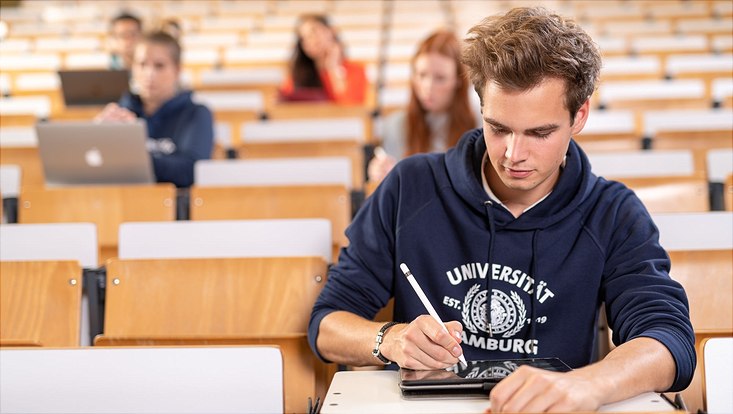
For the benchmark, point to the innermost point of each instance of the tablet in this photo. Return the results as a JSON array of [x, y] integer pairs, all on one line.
[[477, 379]]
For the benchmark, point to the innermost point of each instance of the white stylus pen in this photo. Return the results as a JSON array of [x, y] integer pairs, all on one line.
[[426, 303]]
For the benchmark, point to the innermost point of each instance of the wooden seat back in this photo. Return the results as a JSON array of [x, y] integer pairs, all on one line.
[[700, 142], [19, 146], [706, 277], [700, 246], [610, 130], [106, 206], [220, 301], [313, 134], [703, 273], [695, 130], [352, 150], [29, 161], [41, 303], [331, 202], [671, 194]]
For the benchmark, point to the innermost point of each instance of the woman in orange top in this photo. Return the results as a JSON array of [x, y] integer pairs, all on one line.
[[319, 71]]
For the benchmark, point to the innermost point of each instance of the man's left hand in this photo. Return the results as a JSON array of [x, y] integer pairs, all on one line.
[[535, 390]]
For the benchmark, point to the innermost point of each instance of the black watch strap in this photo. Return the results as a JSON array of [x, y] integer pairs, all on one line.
[[378, 341]]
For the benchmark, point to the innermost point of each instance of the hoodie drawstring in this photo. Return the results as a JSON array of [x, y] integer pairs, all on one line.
[[488, 204], [533, 296]]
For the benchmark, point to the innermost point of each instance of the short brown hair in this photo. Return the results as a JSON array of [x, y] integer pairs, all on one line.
[[125, 16], [520, 49]]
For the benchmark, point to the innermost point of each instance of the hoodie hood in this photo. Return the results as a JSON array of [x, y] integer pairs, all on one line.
[[180, 131], [463, 164]]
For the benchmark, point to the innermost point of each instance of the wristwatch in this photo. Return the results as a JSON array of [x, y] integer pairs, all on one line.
[[378, 342]]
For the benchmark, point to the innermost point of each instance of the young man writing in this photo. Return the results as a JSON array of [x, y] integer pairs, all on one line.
[[515, 242]]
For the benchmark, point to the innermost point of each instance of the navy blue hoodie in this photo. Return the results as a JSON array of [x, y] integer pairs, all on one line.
[[182, 133], [590, 241]]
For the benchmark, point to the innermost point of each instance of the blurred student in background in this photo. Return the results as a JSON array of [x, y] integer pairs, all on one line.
[[181, 131], [124, 32], [171, 26], [319, 69], [438, 112]]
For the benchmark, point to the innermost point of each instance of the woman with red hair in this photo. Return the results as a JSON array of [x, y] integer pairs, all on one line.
[[439, 111]]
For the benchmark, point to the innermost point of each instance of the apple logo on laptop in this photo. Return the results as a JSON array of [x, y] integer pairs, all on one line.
[[93, 157]]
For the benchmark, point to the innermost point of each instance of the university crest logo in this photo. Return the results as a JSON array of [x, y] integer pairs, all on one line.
[[508, 312]]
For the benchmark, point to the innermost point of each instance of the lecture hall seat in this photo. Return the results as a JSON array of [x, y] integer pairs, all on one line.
[[46, 244], [331, 202], [226, 301], [18, 146], [717, 366], [312, 136], [40, 303], [665, 181], [210, 239], [232, 108], [236, 239], [700, 246], [211, 379], [609, 130], [106, 206]]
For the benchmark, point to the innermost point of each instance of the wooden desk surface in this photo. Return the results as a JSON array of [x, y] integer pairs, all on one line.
[[378, 392]]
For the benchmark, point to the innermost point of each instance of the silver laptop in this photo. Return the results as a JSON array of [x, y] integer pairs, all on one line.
[[93, 87], [83, 153]]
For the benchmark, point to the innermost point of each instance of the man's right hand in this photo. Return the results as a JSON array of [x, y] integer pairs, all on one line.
[[115, 113], [380, 165], [423, 344]]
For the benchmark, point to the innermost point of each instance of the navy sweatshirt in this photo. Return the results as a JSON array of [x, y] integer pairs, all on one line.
[[181, 132], [590, 241]]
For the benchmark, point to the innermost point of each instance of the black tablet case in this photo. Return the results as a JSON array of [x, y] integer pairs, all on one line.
[[477, 379]]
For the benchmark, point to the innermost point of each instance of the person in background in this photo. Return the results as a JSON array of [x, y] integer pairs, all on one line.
[[515, 242], [181, 131], [319, 69], [125, 31], [171, 26], [438, 112]]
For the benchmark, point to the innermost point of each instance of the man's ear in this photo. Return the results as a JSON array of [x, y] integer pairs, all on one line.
[[580, 118]]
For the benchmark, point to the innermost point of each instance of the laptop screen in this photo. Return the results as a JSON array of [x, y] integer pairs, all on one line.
[[93, 87]]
